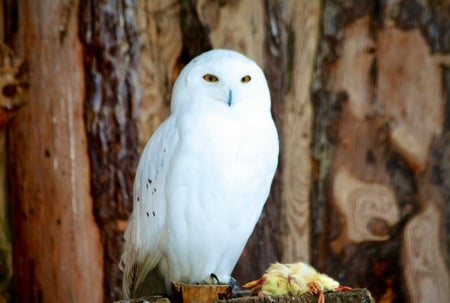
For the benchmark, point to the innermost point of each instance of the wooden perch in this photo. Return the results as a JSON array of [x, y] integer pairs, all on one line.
[[187, 293], [360, 295]]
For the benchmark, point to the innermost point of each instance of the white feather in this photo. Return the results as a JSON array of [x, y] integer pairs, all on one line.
[[211, 165]]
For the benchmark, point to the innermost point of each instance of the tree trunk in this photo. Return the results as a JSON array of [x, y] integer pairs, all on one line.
[[57, 251], [109, 36]]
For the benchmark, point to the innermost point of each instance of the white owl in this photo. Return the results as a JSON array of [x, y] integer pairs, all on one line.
[[203, 177]]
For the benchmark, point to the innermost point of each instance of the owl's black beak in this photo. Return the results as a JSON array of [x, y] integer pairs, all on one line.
[[230, 97]]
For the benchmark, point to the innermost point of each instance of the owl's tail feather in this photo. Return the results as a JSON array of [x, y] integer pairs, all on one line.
[[139, 282], [129, 280]]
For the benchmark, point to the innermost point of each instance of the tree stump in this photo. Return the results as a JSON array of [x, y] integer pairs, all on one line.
[[189, 293]]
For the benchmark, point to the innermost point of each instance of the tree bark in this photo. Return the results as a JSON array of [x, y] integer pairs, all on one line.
[[57, 251], [111, 55]]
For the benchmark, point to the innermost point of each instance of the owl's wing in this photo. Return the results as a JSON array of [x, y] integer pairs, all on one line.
[[145, 229]]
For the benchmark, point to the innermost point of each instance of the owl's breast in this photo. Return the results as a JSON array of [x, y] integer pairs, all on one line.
[[228, 160], [222, 139]]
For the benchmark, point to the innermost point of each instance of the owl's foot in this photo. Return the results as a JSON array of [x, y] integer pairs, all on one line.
[[213, 276], [231, 281]]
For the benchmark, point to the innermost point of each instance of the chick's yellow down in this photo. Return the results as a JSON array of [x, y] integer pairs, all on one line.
[[294, 279]]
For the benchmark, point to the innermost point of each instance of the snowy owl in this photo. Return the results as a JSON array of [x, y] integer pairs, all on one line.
[[203, 177]]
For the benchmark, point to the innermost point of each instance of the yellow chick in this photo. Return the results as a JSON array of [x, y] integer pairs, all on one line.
[[273, 282], [294, 279]]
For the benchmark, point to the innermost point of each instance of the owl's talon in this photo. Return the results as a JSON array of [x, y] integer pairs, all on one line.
[[213, 276], [232, 283]]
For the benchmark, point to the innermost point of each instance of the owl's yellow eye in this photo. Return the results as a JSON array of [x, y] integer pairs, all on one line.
[[210, 78], [246, 79]]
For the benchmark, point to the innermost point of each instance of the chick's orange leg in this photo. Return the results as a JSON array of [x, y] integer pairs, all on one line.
[[316, 288], [255, 284], [342, 288], [321, 297]]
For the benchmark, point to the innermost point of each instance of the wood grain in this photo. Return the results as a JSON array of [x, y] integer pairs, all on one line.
[[303, 28], [184, 293], [58, 252], [356, 55], [160, 50], [379, 115], [369, 210], [411, 89], [360, 189], [426, 275], [236, 25]]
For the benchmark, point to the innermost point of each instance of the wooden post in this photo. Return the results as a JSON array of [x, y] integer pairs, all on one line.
[[189, 293]]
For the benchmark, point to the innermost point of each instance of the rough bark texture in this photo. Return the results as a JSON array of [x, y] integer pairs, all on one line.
[[111, 55], [57, 250], [353, 296]]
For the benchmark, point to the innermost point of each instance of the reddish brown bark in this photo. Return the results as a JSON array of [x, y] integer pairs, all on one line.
[[57, 251]]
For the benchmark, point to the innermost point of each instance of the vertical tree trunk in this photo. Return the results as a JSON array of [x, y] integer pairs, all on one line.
[[57, 252], [109, 36], [303, 35]]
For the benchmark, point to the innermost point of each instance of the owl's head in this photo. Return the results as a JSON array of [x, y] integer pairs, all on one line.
[[221, 79]]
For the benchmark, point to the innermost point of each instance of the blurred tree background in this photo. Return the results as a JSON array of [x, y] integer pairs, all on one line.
[[361, 98]]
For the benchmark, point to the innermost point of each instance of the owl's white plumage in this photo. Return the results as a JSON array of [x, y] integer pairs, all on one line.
[[203, 177]]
